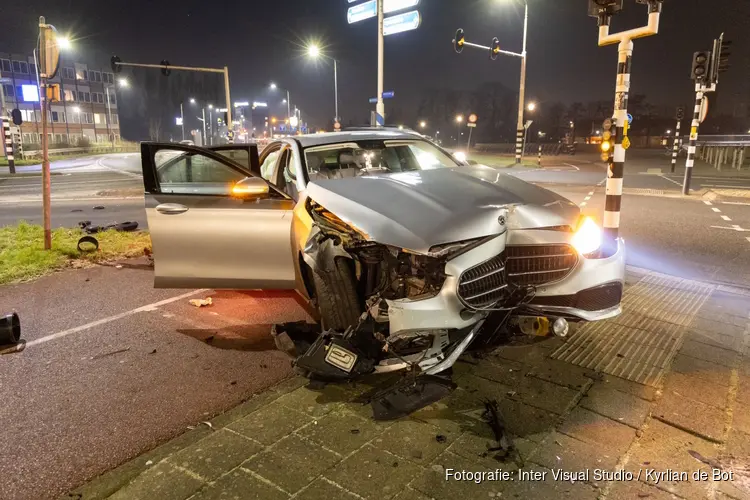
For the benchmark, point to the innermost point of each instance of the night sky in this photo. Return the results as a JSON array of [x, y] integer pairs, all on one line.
[[261, 41]]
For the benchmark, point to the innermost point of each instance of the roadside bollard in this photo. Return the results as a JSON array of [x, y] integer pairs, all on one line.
[[540, 155]]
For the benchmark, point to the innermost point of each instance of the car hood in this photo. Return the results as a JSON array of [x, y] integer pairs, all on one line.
[[419, 210]]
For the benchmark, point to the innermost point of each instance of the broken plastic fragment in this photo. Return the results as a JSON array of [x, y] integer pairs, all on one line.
[[201, 302]]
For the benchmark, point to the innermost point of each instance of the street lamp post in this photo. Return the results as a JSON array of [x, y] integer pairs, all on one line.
[[182, 121], [459, 120], [123, 84], [288, 101], [314, 52]]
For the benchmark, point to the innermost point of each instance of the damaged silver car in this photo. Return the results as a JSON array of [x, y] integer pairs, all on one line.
[[406, 254]]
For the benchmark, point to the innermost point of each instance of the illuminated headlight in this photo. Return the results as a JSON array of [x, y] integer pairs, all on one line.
[[588, 238], [460, 156]]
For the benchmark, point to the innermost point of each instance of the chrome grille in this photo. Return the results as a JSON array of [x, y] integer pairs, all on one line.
[[483, 285], [539, 264]]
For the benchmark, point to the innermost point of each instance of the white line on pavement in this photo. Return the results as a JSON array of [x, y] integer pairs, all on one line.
[[148, 307], [733, 228], [748, 239], [583, 204], [569, 165], [587, 198], [716, 209], [725, 218], [707, 202], [129, 174], [670, 180], [735, 203], [591, 193], [725, 186]]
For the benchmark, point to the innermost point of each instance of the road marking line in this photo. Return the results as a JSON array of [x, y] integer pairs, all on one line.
[[733, 228], [129, 174], [587, 198], [734, 203], [591, 193], [707, 202], [583, 204], [748, 238], [569, 165], [670, 180], [725, 186], [104, 321], [725, 218], [716, 209]]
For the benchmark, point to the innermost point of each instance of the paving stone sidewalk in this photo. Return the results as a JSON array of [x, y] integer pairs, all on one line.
[[662, 390]]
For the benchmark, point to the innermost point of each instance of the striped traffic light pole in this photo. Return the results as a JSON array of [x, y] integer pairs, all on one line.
[[676, 146], [616, 166], [699, 90], [8, 143]]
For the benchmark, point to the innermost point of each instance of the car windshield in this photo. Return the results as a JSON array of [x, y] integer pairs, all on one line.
[[355, 159]]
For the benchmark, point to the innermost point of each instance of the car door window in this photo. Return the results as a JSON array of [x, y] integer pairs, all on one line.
[[267, 167], [286, 176], [240, 156], [180, 172]]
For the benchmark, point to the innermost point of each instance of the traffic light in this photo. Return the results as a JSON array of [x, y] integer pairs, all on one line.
[[494, 48], [458, 42], [53, 92], [720, 58], [608, 139], [701, 66], [16, 116], [680, 113], [599, 8], [165, 70], [116, 68]]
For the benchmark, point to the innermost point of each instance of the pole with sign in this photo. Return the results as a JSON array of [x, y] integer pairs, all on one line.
[[49, 60], [472, 125], [386, 26]]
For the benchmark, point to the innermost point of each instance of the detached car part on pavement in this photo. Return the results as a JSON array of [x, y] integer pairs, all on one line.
[[407, 254]]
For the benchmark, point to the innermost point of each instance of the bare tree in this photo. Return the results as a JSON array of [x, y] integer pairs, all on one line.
[[154, 128]]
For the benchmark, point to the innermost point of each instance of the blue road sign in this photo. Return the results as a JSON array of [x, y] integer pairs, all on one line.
[[630, 119], [362, 11], [386, 95], [402, 22]]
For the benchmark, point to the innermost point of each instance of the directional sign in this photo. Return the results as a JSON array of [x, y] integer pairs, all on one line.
[[471, 125], [362, 11], [178, 121], [402, 22], [394, 5], [386, 95], [630, 119]]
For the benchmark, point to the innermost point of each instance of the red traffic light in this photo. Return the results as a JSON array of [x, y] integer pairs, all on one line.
[[494, 48]]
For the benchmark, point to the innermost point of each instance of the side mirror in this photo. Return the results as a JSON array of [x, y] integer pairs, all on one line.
[[250, 188]]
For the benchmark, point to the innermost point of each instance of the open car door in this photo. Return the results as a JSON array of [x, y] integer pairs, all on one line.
[[213, 223]]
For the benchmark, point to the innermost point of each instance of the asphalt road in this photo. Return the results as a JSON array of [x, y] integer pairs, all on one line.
[[112, 368]]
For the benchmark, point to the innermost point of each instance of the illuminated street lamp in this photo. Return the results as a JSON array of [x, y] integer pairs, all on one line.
[[286, 101], [313, 50], [192, 100], [531, 106], [459, 121], [422, 124], [124, 83]]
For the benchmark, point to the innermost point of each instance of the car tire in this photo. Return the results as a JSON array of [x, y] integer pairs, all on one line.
[[336, 296]]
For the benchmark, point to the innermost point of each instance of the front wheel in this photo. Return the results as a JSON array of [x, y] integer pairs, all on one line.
[[336, 296]]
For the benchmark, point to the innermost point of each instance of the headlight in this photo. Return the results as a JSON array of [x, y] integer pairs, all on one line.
[[460, 156], [588, 237]]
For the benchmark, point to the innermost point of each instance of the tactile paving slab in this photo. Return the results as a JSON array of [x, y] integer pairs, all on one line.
[[639, 344]]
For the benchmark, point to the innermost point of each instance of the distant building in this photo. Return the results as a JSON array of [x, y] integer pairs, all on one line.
[[86, 89]]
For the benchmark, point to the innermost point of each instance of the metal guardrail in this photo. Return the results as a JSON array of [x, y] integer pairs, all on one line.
[[721, 140], [72, 151]]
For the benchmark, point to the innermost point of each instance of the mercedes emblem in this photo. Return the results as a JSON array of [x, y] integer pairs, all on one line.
[[501, 220]]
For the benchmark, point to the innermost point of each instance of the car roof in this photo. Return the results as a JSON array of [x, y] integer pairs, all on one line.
[[354, 135]]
